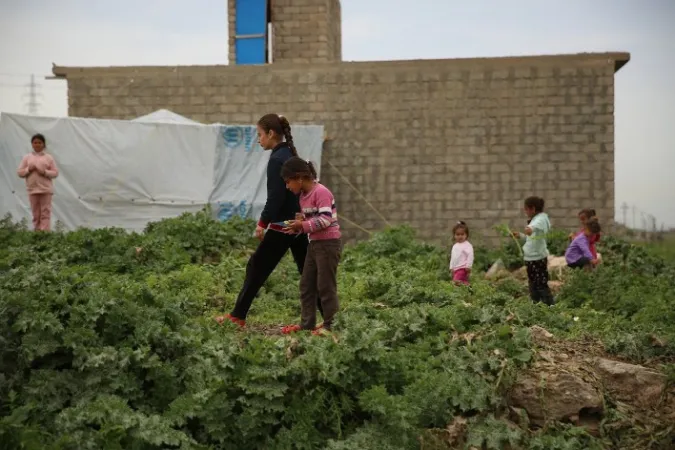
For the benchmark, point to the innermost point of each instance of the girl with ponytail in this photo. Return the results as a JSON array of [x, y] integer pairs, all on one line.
[[274, 134]]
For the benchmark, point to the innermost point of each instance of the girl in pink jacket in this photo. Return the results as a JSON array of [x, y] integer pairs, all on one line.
[[461, 256], [39, 169], [319, 221]]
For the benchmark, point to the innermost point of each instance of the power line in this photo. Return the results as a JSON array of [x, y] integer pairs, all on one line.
[[649, 220], [18, 74], [23, 86]]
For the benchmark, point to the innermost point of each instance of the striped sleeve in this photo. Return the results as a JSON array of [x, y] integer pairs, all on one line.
[[325, 217]]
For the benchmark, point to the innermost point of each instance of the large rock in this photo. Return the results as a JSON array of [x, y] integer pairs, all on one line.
[[521, 273], [566, 387], [631, 383], [556, 266], [556, 262], [554, 393], [540, 334], [496, 270]]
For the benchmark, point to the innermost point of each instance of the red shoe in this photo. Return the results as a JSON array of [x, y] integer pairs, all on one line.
[[231, 318], [291, 329], [321, 331]]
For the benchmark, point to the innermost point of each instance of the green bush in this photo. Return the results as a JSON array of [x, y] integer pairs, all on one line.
[[107, 341]]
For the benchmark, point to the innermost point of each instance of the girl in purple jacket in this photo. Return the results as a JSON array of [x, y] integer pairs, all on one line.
[[579, 254]]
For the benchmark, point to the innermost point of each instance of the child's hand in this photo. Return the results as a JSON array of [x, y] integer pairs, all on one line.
[[515, 234], [295, 226], [571, 236], [259, 232], [595, 262], [299, 216], [528, 231]]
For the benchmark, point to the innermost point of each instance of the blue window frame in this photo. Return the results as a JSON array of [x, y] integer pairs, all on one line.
[[251, 32]]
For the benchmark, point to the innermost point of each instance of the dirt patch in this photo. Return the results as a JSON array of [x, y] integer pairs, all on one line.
[[265, 329]]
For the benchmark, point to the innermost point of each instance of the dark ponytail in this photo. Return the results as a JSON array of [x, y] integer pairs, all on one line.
[[280, 126], [593, 225], [286, 131], [312, 170], [296, 167]]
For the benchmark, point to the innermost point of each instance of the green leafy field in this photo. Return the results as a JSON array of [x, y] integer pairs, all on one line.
[[107, 341]]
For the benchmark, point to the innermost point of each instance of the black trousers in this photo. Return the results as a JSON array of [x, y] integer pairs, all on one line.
[[537, 277], [262, 263]]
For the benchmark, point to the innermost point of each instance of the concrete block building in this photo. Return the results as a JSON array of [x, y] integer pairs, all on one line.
[[425, 142]]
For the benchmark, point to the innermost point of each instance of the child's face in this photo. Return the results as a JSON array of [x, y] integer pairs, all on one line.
[[294, 185], [266, 139], [460, 235], [38, 145], [529, 211], [583, 219]]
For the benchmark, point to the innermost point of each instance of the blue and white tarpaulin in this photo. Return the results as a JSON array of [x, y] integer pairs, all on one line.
[[116, 173]]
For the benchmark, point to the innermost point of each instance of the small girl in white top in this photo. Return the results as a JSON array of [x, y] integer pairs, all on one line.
[[461, 257]]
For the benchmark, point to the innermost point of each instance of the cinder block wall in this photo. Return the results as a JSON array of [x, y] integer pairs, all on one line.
[[426, 142], [303, 31], [306, 31]]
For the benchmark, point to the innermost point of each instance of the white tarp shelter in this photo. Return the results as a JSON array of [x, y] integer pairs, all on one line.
[[116, 173], [165, 116]]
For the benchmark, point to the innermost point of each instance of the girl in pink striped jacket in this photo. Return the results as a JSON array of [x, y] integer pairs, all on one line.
[[319, 220]]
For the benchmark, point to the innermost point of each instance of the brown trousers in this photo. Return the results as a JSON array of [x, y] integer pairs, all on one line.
[[319, 277], [41, 207]]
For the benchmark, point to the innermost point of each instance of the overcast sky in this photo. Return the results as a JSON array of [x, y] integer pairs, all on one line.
[[35, 33]]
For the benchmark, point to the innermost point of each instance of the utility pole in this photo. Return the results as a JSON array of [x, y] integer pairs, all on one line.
[[624, 209], [32, 103], [654, 231]]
